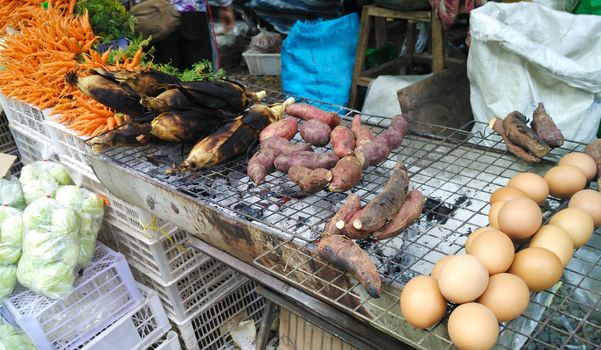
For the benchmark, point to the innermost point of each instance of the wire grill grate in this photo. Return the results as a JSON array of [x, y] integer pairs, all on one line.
[[456, 170]]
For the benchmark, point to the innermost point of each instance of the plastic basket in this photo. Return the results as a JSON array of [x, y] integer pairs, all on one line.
[[138, 329], [25, 116], [195, 290], [164, 259], [263, 63], [169, 342], [69, 146], [210, 328], [15, 170], [7, 143], [105, 292], [30, 148]]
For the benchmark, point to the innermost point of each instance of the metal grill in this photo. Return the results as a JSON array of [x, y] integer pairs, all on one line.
[[456, 170]]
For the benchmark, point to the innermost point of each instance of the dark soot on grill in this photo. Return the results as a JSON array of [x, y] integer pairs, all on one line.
[[437, 210], [249, 210]]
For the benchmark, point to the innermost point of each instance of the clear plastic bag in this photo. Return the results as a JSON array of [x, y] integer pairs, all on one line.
[[90, 209], [11, 235], [8, 280], [11, 194], [266, 42], [50, 257], [42, 179], [14, 339]]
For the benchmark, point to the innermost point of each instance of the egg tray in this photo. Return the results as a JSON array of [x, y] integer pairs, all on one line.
[[457, 172]]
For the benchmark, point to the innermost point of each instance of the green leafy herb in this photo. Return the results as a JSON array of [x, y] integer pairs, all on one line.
[[109, 19], [131, 50], [200, 71]]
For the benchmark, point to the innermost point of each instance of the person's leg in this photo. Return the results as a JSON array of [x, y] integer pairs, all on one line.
[[195, 38], [167, 50]]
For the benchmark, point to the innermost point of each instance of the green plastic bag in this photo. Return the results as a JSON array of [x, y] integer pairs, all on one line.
[[588, 7], [14, 339]]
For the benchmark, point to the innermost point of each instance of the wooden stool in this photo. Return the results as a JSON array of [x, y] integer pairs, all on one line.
[[436, 59]]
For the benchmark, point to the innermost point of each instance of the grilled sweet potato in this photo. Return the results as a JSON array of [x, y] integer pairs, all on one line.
[[315, 132], [522, 135], [282, 146], [343, 141], [593, 149], [409, 212], [351, 205], [309, 180], [307, 159], [260, 165], [285, 128], [307, 112], [497, 125], [372, 152], [395, 133], [362, 133], [545, 128], [346, 174]]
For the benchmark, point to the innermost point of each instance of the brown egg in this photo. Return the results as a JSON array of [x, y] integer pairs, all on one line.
[[565, 180], [439, 265], [589, 201], [576, 222], [474, 235], [538, 267], [463, 279], [520, 218], [507, 296], [493, 214], [422, 304], [556, 240], [505, 194], [533, 185], [473, 326], [582, 161], [495, 250]]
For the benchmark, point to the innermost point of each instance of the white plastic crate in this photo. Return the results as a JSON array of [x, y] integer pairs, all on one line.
[[139, 329], [193, 291], [69, 146], [263, 63], [25, 116], [31, 148], [165, 259], [210, 328], [15, 170], [169, 342], [105, 292], [7, 143]]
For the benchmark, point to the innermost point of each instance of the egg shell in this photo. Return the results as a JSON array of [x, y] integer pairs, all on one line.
[[565, 180], [507, 296], [533, 185], [474, 235], [538, 267], [422, 304], [520, 218], [493, 214], [463, 279], [439, 265], [589, 201], [556, 240], [576, 222], [582, 161], [505, 194], [495, 250], [473, 326]]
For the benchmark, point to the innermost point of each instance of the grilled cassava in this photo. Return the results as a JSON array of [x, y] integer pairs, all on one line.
[[409, 212], [112, 94], [545, 128], [233, 138], [520, 134], [345, 254], [497, 125]]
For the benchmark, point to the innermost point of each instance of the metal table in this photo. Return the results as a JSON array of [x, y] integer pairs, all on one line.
[[273, 227]]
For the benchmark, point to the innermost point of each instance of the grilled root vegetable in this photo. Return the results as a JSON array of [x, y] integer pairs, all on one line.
[[594, 150], [545, 128], [282, 146], [285, 128], [520, 134], [409, 212], [307, 159], [383, 206], [362, 133], [346, 174], [124, 135], [395, 133], [307, 112], [497, 125], [372, 152], [345, 254], [315, 132], [351, 205], [260, 165], [308, 180], [185, 126], [343, 141], [112, 95]]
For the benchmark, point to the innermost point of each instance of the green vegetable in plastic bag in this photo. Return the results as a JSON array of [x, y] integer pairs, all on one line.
[[50, 255], [14, 339], [8, 280], [42, 179], [11, 194], [11, 235], [91, 210]]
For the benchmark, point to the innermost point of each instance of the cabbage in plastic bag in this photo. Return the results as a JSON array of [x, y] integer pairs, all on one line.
[[91, 210], [11, 235], [11, 194], [50, 255], [266, 42], [42, 179], [8, 280], [14, 339]]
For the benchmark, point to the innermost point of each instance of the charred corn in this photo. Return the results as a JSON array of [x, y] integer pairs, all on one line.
[[186, 126], [112, 95], [124, 135]]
